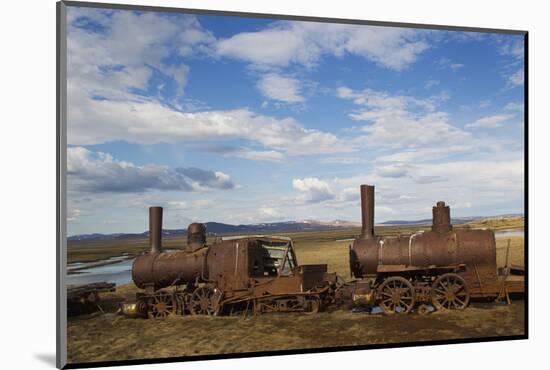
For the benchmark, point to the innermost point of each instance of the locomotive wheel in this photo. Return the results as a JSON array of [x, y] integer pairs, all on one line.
[[205, 301], [396, 295], [312, 305], [449, 291], [161, 305]]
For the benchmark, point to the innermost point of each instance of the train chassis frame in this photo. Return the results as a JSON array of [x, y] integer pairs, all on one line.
[[398, 294], [206, 299]]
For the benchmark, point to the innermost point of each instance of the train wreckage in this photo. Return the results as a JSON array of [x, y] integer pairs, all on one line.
[[441, 268], [235, 273]]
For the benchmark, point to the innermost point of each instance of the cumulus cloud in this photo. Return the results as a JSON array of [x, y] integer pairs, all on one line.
[[110, 52], [497, 182], [98, 172], [304, 43], [494, 121], [403, 122], [277, 87], [312, 190], [149, 122]]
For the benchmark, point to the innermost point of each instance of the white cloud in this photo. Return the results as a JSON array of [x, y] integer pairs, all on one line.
[[485, 103], [431, 83], [260, 155], [247, 153], [494, 121], [497, 183], [395, 171], [515, 106], [269, 214], [456, 66], [127, 49], [517, 78], [97, 172], [149, 122], [349, 194], [402, 122], [304, 43], [512, 46], [73, 214], [423, 153], [445, 62], [277, 87], [312, 190]]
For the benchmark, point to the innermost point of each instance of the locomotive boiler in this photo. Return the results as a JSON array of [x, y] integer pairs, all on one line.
[[235, 273], [444, 266]]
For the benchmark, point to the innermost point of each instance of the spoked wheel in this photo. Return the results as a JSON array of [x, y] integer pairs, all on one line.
[[161, 305], [205, 301], [396, 295], [449, 291], [312, 305]]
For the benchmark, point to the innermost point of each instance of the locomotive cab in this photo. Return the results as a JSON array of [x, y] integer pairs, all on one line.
[[271, 257], [272, 265]]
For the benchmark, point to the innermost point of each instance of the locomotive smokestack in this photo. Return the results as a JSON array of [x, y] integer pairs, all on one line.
[[367, 211], [441, 221], [196, 236], [155, 229]]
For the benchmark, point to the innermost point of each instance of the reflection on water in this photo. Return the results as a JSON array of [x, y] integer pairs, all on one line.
[[116, 270], [118, 273]]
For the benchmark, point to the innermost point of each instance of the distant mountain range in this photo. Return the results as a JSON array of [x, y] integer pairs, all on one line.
[[218, 228]]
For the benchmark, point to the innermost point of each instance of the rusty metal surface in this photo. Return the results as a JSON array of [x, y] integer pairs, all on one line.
[[367, 212], [469, 253], [155, 229], [262, 270], [196, 236], [441, 218]]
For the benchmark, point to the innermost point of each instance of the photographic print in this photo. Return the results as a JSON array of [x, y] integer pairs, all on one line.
[[240, 184]]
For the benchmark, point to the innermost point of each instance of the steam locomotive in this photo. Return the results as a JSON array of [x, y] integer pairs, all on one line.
[[236, 273], [441, 268]]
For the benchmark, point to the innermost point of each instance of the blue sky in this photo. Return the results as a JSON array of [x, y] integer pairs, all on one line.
[[242, 120]]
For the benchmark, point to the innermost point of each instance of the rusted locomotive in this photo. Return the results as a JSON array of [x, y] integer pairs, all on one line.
[[236, 273], [444, 267]]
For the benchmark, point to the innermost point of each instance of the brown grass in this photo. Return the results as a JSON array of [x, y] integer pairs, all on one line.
[[111, 337]]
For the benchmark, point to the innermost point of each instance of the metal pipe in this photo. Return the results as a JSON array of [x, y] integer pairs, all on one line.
[[367, 212], [196, 236], [441, 221], [155, 229]]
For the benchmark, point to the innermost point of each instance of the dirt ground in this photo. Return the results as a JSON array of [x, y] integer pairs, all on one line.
[[111, 337]]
